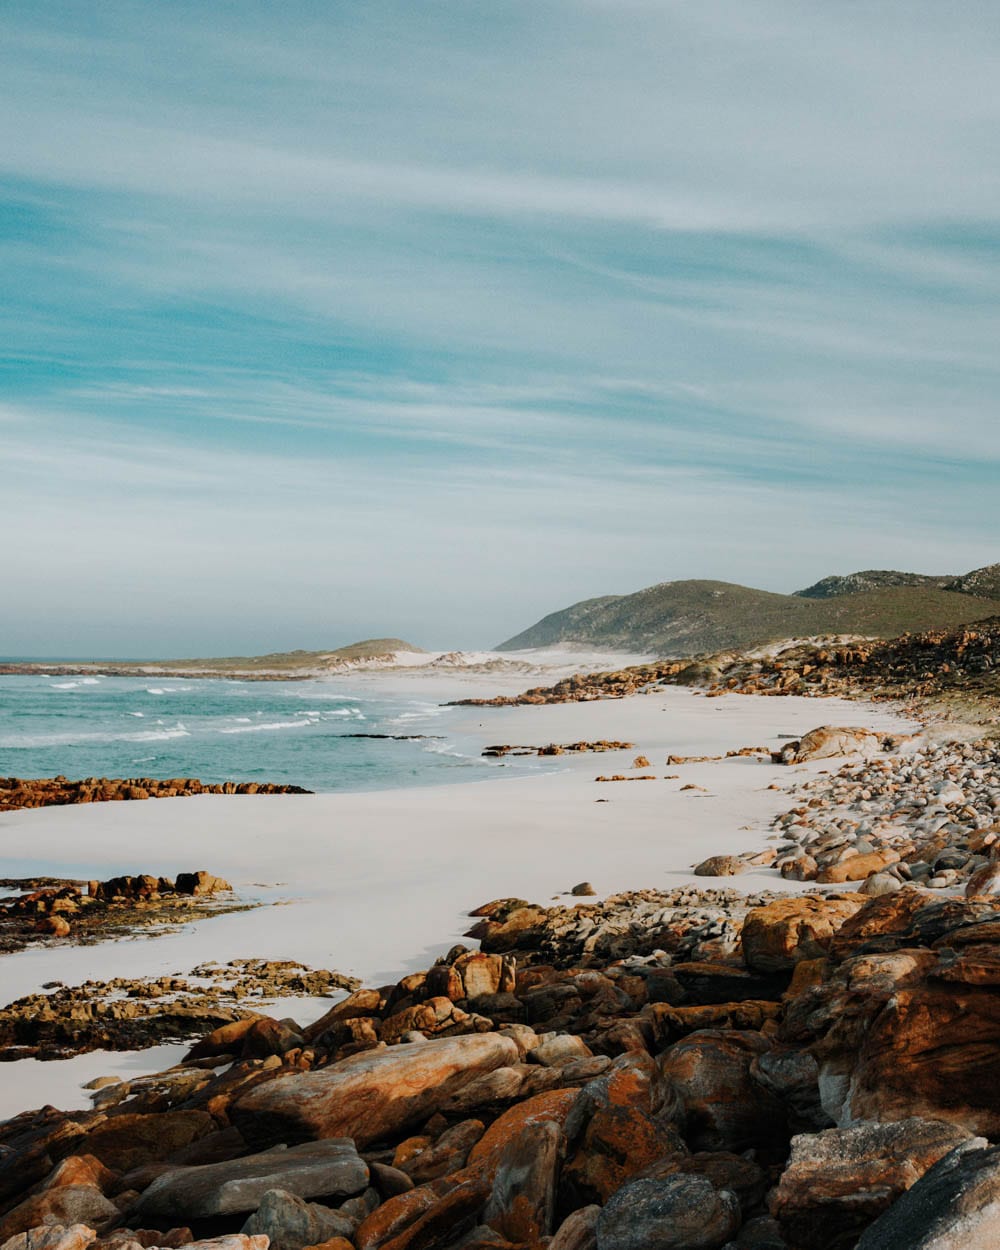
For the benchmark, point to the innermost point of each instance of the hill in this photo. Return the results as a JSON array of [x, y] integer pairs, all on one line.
[[691, 617], [873, 579], [287, 665]]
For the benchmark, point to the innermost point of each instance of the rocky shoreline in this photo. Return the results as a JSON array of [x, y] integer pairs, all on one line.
[[19, 792], [689, 1069], [43, 912], [943, 670]]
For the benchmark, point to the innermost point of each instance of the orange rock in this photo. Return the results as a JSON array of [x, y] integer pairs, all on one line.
[[858, 867], [781, 934], [552, 1105], [624, 1134]]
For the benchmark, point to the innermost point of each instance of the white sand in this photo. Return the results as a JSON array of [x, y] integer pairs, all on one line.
[[379, 884]]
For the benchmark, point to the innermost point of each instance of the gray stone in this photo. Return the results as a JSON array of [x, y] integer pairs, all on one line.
[[291, 1223], [954, 1206], [681, 1212], [330, 1168]]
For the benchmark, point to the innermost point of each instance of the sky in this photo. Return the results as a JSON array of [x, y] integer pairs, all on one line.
[[323, 321]]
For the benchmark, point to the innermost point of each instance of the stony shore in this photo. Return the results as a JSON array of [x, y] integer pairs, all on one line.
[[690, 1069], [20, 792], [664, 1069]]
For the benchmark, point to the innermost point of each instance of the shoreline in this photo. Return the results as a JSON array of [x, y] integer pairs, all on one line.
[[377, 884]]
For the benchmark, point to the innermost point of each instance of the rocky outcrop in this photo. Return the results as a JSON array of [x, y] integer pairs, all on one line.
[[838, 1181], [19, 792], [315, 1169], [954, 1206], [349, 1098]]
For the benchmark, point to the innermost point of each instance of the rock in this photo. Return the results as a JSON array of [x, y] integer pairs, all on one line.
[[389, 1181], [80, 1170], [777, 936], [577, 1231], [829, 741], [448, 1154], [879, 883], [858, 867], [290, 1223], [372, 1095], [554, 1105], [838, 1181], [66, 1204], [907, 1032], [312, 1170], [200, 883], [677, 1213], [626, 1125], [558, 1050], [52, 1237], [984, 881], [954, 1206], [522, 1203], [722, 1106], [585, 889], [721, 866], [128, 1141]]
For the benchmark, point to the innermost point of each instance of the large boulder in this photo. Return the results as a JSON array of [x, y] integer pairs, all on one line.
[[680, 1212], [128, 1141], [780, 934], [954, 1206], [722, 1106], [522, 1202], [627, 1127], [838, 1181], [911, 1032], [290, 1223], [52, 1237], [66, 1204], [330, 1168], [372, 1095], [829, 741]]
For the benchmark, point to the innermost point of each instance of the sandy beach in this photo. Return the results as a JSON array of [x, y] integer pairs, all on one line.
[[379, 884]]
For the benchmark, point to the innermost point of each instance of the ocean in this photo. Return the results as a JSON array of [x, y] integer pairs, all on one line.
[[304, 733]]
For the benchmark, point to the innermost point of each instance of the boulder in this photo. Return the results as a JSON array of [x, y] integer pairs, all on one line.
[[721, 866], [625, 1127], [522, 1203], [722, 1106], [677, 1213], [52, 1237], [127, 1141], [908, 1032], [838, 1181], [857, 867], [954, 1206], [780, 934], [448, 1154], [577, 1231], [330, 1168], [66, 1204], [291, 1223], [830, 741], [200, 883], [372, 1095]]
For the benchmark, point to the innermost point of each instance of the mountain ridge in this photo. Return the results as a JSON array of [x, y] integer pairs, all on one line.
[[692, 616]]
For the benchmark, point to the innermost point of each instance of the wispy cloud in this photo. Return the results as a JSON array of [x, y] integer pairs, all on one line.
[[433, 317]]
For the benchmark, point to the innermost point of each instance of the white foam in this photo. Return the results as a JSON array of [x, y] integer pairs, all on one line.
[[160, 735], [277, 724]]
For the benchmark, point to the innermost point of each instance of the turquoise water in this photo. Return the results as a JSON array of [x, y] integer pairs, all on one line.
[[298, 733]]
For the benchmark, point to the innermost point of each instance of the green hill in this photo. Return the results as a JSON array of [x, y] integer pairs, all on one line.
[[690, 617]]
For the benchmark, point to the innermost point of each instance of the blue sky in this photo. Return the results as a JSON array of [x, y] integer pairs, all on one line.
[[328, 320]]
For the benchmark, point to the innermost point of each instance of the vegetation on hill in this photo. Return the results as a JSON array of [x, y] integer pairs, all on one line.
[[690, 617], [873, 579]]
